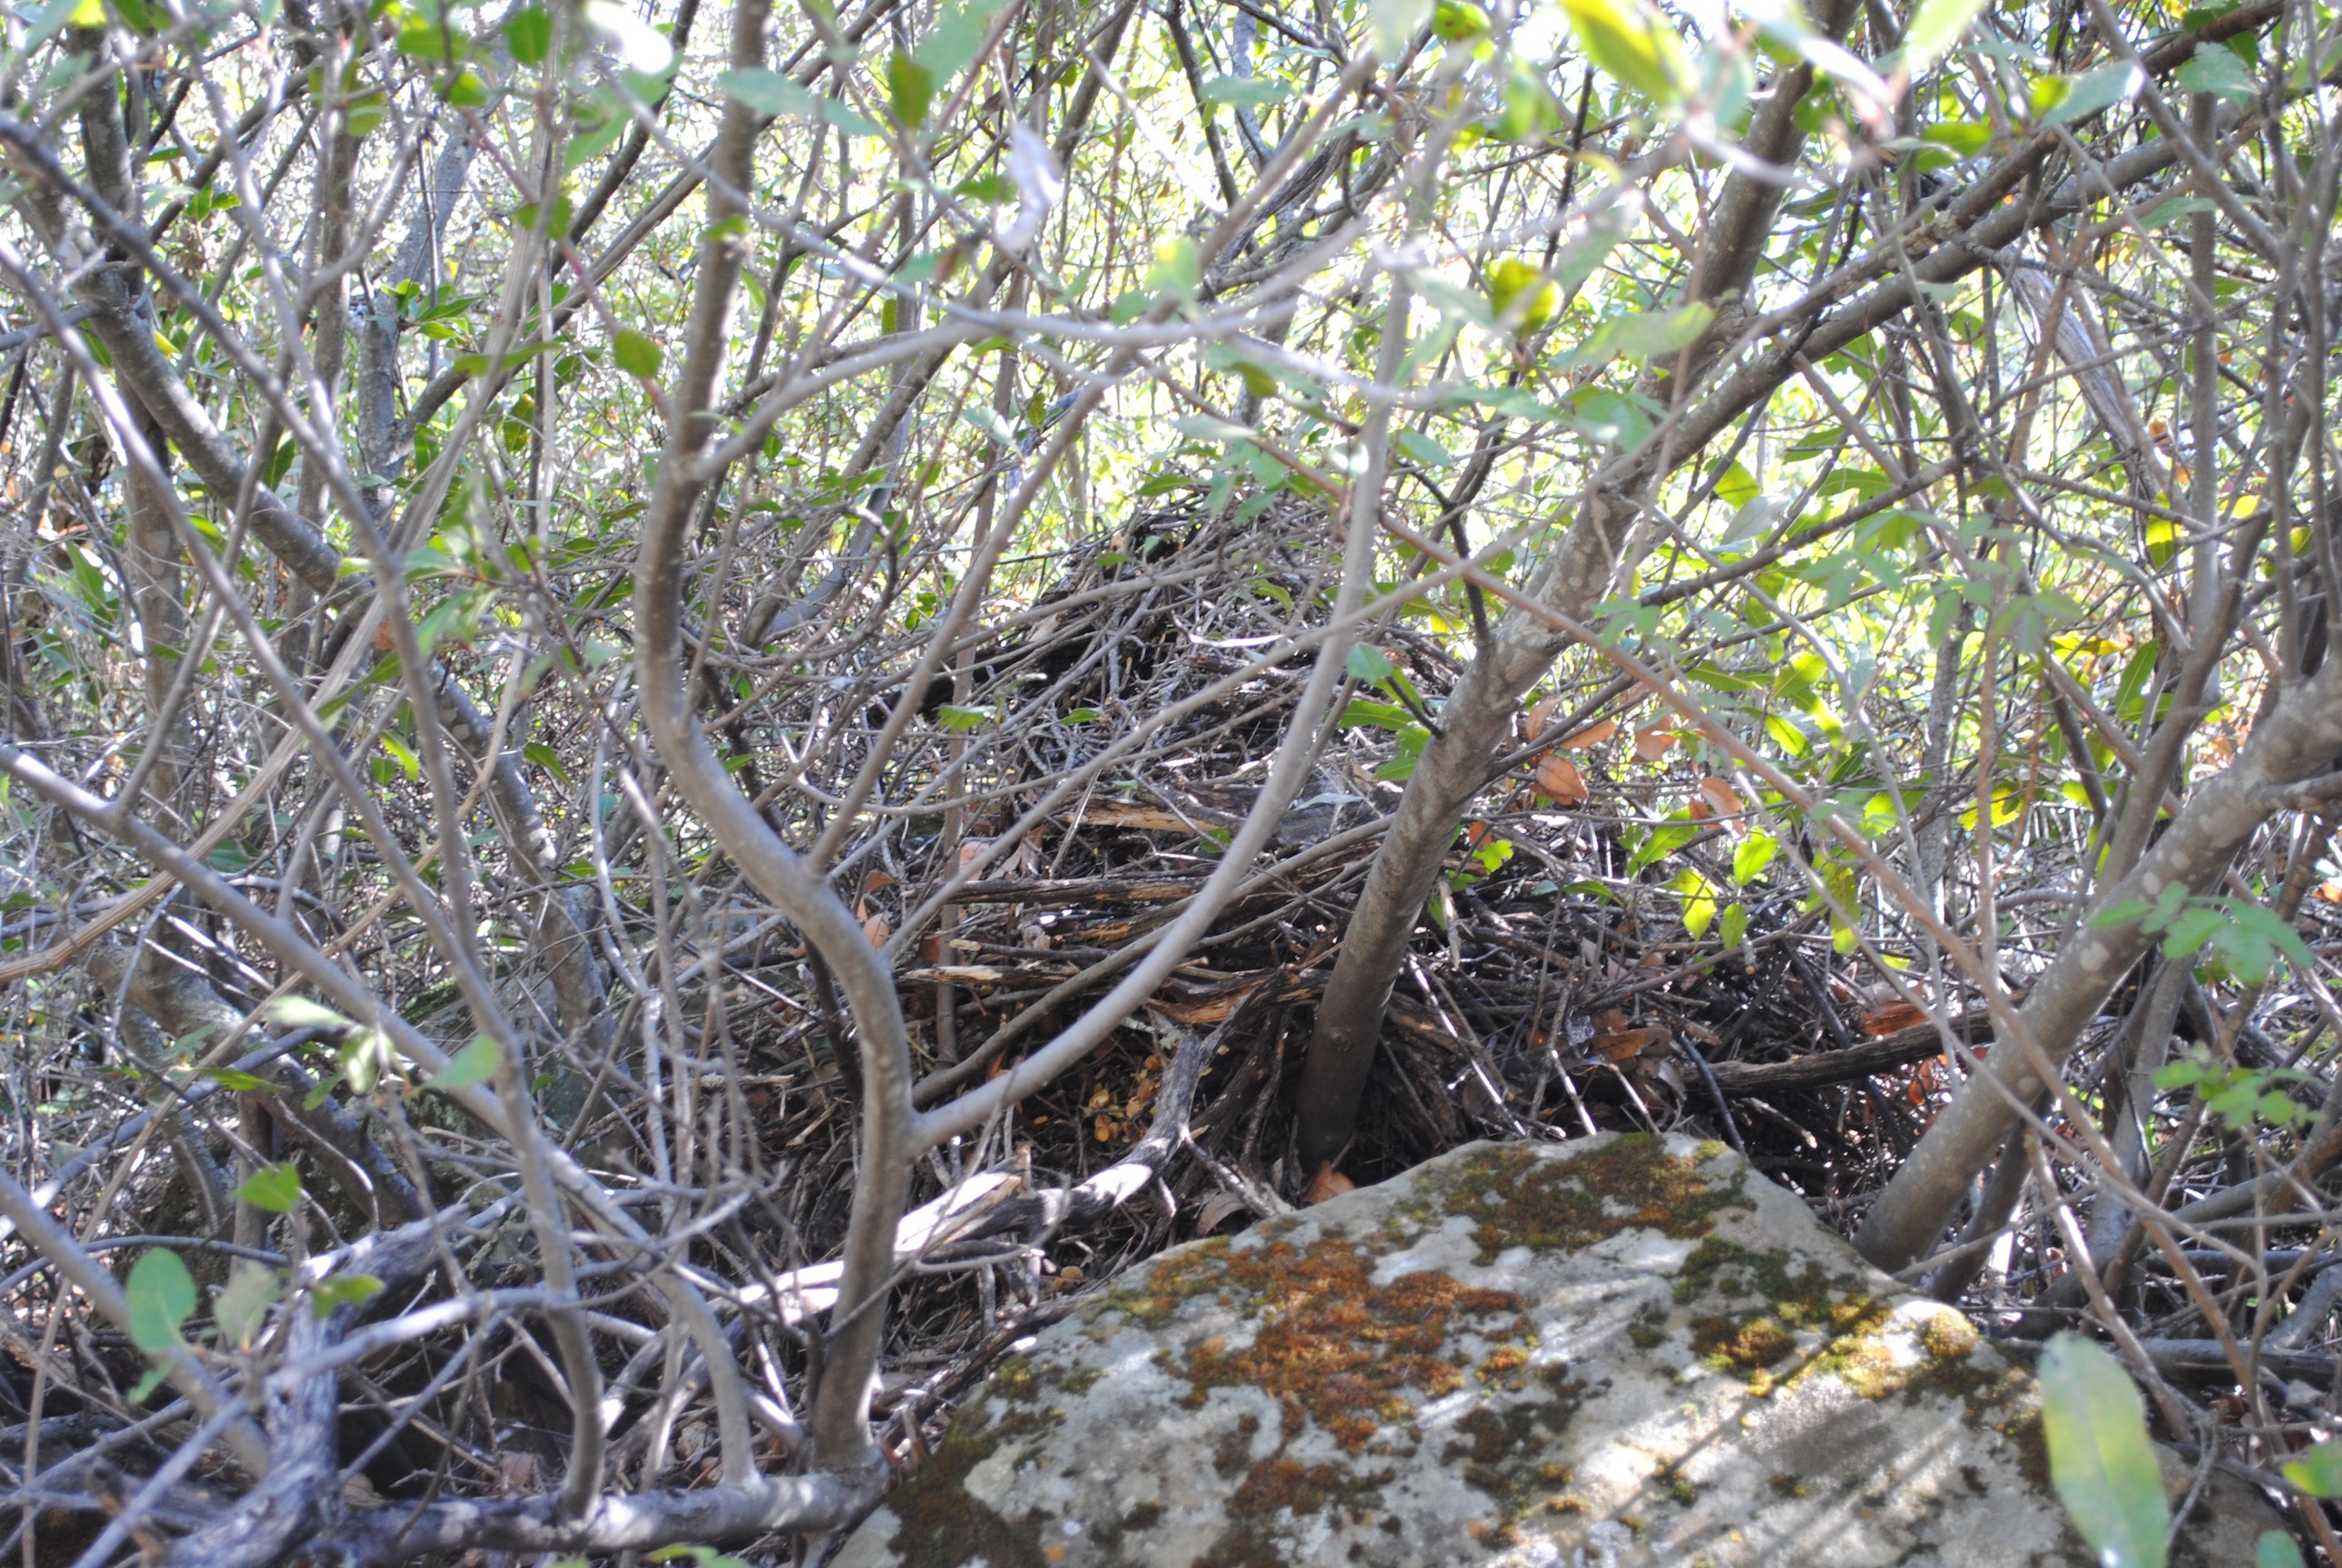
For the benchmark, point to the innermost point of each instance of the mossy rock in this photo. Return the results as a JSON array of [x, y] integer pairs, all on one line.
[[1622, 1352]]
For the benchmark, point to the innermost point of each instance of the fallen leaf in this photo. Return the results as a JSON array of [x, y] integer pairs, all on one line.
[[1591, 735], [1217, 1211], [876, 929], [1561, 781], [875, 881], [1616, 1040], [1328, 1183], [1889, 1016], [973, 850], [1653, 741]]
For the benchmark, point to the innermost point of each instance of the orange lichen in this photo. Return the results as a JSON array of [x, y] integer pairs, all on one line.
[[1333, 1346], [1566, 1205]]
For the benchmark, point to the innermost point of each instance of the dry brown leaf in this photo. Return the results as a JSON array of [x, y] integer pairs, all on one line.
[[1591, 735], [1889, 1016], [1561, 781], [1217, 1211], [1540, 715], [876, 929], [973, 850], [1715, 798], [875, 880], [1653, 741], [1616, 1040], [1328, 1183]]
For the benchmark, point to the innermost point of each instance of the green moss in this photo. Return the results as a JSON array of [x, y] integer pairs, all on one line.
[[1517, 1199], [942, 1524]]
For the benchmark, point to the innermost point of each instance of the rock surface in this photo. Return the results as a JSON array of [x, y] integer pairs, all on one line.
[[1615, 1353]]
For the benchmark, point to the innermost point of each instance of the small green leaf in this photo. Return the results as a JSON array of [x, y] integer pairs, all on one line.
[[1735, 926], [2214, 68], [1369, 664], [1632, 45], [635, 354], [910, 87], [528, 34], [1937, 27], [241, 1082], [162, 1293], [276, 1188], [1458, 21], [1178, 268], [545, 757], [241, 1305], [2061, 100], [1394, 22], [300, 1012], [2318, 1471], [344, 1290], [475, 1063], [1255, 93], [768, 92], [2099, 1456], [1753, 855], [954, 717], [1524, 298]]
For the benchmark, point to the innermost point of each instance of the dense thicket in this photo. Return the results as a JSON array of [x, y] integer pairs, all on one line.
[[703, 706]]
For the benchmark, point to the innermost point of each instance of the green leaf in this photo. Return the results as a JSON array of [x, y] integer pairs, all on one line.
[[2318, 1471], [910, 88], [545, 757], [1738, 487], [475, 1063], [959, 31], [528, 34], [1937, 27], [1457, 21], [1178, 268], [954, 717], [240, 1306], [276, 1188], [1753, 855], [1422, 450], [1369, 664], [300, 1012], [241, 1082], [1394, 22], [1630, 42], [2099, 1456], [2192, 930], [635, 354], [1524, 298], [768, 92], [1641, 334], [2214, 68], [2061, 100], [162, 1293], [1699, 906], [1736, 926], [343, 1290], [1254, 92], [2276, 1550]]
